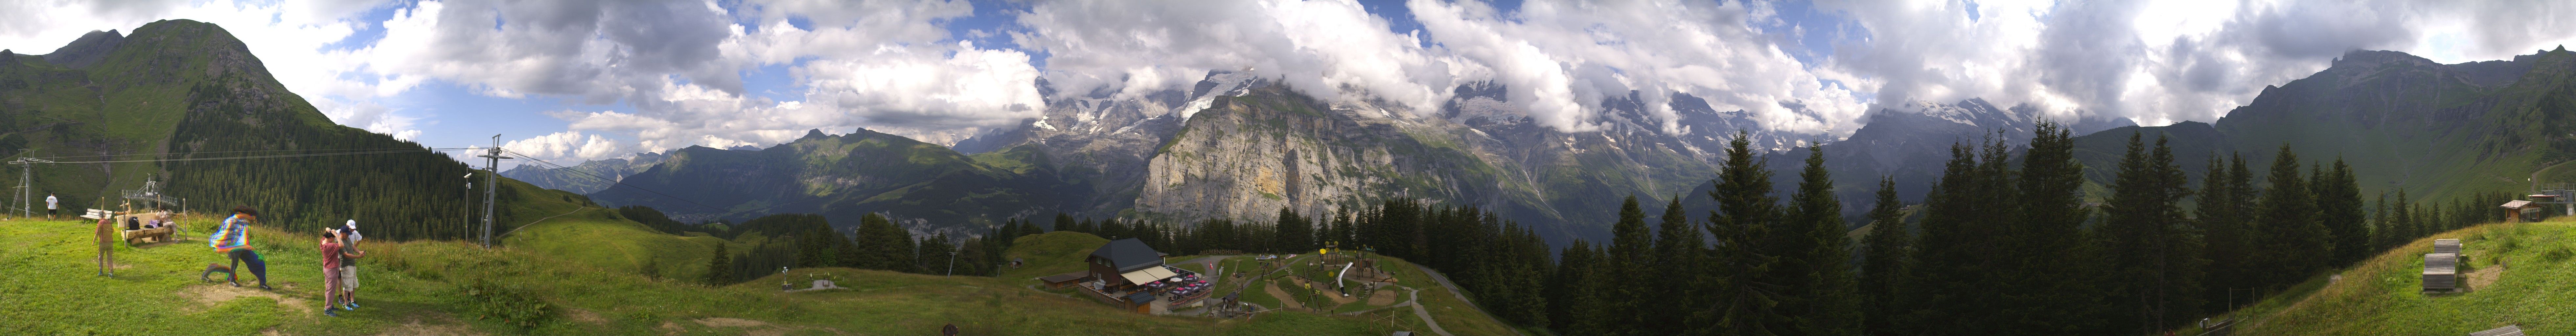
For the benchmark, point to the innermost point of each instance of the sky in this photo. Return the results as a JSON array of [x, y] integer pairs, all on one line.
[[571, 81]]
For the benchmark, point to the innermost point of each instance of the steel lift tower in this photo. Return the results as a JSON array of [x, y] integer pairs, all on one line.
[[491, 183], [2565, 196]]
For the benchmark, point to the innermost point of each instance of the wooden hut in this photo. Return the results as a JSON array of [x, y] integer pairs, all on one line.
[[2441, 272], [2518, 211]]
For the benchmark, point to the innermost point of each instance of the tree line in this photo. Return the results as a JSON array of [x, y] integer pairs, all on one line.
[[808, 240], [1998, 250]]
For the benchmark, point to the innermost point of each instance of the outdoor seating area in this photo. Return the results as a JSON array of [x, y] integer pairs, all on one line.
[[138, 228]]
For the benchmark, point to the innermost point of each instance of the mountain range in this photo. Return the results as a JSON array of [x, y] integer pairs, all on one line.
[[1240, 147]]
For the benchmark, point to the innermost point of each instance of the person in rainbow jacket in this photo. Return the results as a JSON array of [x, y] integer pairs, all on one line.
[[233, 239]]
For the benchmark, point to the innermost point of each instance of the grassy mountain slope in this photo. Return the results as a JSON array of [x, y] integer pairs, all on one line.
[[421, 286], [2436, 131], [2520, 276], [187, 89], [925, 186]]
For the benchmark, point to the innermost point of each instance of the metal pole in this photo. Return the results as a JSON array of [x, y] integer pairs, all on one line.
[[491, 186], [952, 263], [26, 172]]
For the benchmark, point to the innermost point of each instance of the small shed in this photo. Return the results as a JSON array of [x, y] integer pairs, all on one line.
[[2441, 272], [2518, 211], [1142, 302], [1060, 281]]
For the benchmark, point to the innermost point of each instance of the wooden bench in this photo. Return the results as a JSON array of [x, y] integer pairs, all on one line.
[[2510, 330], [2441, 272]]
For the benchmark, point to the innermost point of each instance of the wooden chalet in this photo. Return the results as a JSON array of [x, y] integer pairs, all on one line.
[[1124, 264], [2526, 211]]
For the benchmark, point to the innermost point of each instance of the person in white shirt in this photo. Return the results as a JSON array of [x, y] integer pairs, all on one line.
[[51, 205]]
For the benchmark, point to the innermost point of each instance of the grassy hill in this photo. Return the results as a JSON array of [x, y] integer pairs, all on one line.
[[107, 105], [430, 287], [2519, 274]]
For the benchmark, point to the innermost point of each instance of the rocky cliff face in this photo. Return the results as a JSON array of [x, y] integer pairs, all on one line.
[[1103, 143], [1247, 157]]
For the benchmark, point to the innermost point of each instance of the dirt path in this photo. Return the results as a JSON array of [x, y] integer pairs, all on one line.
[[1425, 314], [1453, 290], [1382, 297], [2483, 277], [1285, 301], [210, 295]]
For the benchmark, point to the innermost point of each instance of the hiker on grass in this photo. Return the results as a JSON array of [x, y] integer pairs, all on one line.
[[50, 205], [332, 257], [233, 239], [107, 247], [349, 238]]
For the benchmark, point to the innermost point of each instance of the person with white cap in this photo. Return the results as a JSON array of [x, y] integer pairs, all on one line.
[[349, 238]]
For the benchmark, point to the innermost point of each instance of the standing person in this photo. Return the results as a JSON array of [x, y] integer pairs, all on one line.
[[233, 239], [50, 205], [349, 238], [107, 247], [332, 257]]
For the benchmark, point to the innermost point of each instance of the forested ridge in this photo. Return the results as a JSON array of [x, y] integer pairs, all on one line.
[[186, 104]]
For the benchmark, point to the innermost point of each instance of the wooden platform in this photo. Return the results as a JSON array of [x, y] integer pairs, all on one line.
[[2510, 330]]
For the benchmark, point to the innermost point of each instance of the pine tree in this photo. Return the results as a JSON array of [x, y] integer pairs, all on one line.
[[2403, 221], [2154, 252], [2291, 243], [2055, 266], [2226, 193], [2382, 235], [1819, 295], [886, 246], [2339, 209], [1739, 300], [1952, 255], [1575, 301], [1630, 251], [1888, 249], [720, 267]]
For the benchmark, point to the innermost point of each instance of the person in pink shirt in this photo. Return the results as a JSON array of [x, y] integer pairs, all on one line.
[[332, 257]]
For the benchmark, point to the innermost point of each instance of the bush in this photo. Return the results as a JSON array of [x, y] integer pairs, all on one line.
[[2557, 254], [510, 304]]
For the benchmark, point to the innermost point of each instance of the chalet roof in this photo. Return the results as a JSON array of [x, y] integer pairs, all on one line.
[[2516, 204], [1128, 255]]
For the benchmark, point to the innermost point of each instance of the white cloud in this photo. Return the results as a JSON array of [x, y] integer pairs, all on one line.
[[1562, 59], [898, 67], [369, 116], [2159, 61], [569, 148], [1321, 47]]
